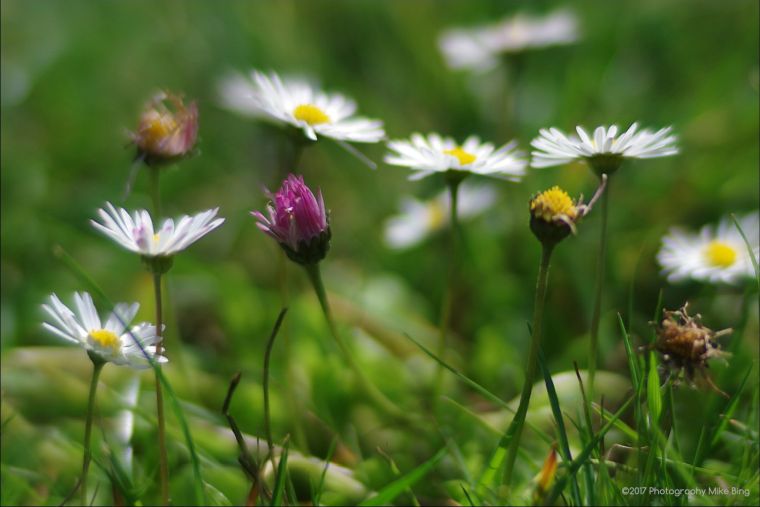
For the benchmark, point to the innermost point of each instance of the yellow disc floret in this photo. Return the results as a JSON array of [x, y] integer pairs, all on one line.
[[436, 215], [311, 114], [552, 204], [155, 128], [105, 338], [464, 157], [720, 254]]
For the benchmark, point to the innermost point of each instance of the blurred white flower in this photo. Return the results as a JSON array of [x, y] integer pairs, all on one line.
[[553, 147], [419, 219], [478, 48], [298, 103], [431, 154], [713, 255], [135, 232], [112, 342]]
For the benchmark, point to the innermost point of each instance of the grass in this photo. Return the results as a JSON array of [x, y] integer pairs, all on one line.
[[74, 78]]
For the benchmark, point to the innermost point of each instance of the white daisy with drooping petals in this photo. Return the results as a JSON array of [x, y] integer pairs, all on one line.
[[136, 233], [298, 103], [479, 47], [605, 147], [437, 154], [715, 254], [112, 341], [419, 219]]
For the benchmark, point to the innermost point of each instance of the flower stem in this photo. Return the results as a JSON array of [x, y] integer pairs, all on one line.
[[155, 191], [370, 390], [516, 426], [163, 460], [97, 368], [448, 297], [601, 262]]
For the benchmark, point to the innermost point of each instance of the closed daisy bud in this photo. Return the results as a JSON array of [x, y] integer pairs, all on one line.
[[297, 221], [167, 131], [545, 477]]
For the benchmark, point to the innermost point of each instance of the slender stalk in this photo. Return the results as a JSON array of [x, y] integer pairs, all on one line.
[[97, 367], [600, 264], [448, 298], [516, 426], [163, 460], [370, 390], [155, 191]]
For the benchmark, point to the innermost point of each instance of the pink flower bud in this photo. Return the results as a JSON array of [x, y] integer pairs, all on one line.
[[298, 221], [166, 133]]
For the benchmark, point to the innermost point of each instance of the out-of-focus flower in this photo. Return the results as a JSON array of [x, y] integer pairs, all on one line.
[[432, 154], [167, 131], [478, 48], [604, 152], [419, 219], [715, 254], [111, 341], [554, 215], [545, 477], [296, 102], [135, 232], [298, 221]]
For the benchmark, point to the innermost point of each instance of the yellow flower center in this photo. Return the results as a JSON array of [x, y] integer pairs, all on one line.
[[720, 254], [311, 114], [156, 237], [464, 157], [553, 203], [156, 127], [105, 338], [436, 215]]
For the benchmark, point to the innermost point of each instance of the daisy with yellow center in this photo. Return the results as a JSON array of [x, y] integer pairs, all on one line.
[[554, 214], [110, 340], [298, 103], [717, 254], [426, 155], [168, 129], [553, 204]]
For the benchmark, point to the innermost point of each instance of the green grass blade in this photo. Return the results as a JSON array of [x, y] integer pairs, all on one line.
[[564, 443], [654, 396], [317, 495], [278, 493], [729, 411], [386, 495], [633, 358], [752, 257]]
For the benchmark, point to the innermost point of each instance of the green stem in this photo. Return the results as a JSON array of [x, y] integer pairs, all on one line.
[[373, 392], [155, 192], [97, 368], [516, 426], [448, 298], [595, 318], [163, 460]]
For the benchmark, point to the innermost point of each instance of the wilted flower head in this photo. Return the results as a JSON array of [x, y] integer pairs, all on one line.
[[136, 232], [418, 219], [715, 254], [554, 214], [433, 153], [479, 47], [686, 345], [111, 341], [604, 152], [168, 129], [297, 221], [296, 102]]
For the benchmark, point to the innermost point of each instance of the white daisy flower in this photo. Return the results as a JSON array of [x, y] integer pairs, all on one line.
[[111, 341], [605, 150], [713, 255], [135, 232], [419, 219], [478, 48], [432, 154], [296, 102]]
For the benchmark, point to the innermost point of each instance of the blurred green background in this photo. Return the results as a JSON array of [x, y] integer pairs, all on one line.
[[75, 75]]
